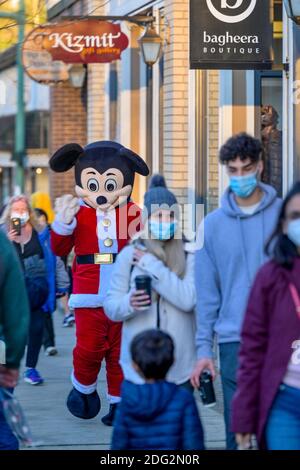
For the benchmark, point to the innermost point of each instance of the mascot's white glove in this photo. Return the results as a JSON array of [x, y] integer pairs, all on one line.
[[66, 207]]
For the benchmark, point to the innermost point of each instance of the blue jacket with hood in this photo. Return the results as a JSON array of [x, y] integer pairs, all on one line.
[[226, 266], [157, 416]]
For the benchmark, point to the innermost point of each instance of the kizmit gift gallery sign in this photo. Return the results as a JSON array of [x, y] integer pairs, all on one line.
[[231, 34], [49, 50]]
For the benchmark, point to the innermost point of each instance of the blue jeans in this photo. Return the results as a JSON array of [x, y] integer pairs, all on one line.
[[228, 369], [8, 441], [283, 426]]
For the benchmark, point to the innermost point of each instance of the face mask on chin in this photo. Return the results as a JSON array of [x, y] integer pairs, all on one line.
[[24, 217], [244, 186], [163, 230], [293, 232]]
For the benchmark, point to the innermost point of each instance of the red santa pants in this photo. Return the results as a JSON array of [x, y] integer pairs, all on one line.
[[98, 338]]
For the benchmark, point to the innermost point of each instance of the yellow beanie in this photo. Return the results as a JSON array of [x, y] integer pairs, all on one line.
[[41, 200]]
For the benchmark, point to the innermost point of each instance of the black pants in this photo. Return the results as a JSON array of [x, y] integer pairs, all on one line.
[[35, 338], [49, 337]]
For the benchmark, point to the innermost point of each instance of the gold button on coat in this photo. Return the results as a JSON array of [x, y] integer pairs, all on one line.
[[108, 242], [106, 222]]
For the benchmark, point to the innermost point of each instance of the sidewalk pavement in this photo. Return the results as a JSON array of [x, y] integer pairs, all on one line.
[[56, 429]]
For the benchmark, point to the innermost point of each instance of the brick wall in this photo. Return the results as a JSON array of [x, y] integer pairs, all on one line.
[[67, 124], [176, 68]]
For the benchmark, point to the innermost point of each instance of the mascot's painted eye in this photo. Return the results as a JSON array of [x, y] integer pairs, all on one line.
[[93, 185], [111, 185]]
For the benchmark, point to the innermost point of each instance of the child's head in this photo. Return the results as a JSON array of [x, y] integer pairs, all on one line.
[[152, 353]]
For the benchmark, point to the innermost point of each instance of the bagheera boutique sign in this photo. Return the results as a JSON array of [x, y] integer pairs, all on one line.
[[231, 34], [49, 50]]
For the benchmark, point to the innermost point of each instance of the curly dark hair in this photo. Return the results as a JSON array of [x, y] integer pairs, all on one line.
[[241, 145]]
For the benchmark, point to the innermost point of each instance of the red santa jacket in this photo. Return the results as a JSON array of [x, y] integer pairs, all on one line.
[[92, 232]]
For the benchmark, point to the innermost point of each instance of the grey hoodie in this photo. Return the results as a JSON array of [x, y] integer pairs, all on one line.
[[227, 264]]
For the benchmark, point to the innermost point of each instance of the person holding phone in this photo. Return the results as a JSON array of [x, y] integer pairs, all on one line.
[[161, 255], [31, 254]]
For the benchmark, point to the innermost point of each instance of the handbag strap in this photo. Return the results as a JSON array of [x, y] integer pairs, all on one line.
[[296, 297]]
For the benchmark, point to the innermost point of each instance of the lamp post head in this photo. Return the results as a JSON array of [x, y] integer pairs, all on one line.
[[151, 45]]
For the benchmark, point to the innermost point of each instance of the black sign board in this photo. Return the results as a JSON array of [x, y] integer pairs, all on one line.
[[231, 34]]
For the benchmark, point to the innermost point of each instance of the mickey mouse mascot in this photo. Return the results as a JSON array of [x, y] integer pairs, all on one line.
[[98, 225]]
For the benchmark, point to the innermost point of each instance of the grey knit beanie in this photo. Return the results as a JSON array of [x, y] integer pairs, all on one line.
[[158, 196]]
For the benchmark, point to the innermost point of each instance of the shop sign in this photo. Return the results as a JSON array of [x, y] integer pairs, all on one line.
[[50, 49], [231, 34]]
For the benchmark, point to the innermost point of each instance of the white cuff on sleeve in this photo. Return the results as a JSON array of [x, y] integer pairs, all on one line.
[[62, 228]]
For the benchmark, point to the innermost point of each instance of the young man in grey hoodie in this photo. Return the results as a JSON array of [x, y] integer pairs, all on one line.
[[233, 251]]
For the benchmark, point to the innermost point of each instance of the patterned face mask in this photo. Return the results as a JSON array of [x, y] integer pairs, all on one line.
[[15, 418]]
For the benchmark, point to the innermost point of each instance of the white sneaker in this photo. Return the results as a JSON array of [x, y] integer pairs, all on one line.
[[69, 320], [51, 351]]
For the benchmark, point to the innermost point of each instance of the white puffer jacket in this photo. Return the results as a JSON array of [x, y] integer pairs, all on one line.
[[176, 309]]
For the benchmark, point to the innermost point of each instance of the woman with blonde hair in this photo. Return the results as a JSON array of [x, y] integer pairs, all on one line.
[[161, 253], [19, 222]]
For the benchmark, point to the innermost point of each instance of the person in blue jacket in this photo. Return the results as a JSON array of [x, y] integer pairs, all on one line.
[[156, 415], [226, 263]]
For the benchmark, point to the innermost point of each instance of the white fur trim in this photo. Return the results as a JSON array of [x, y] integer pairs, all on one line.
[[86, 389], [64, 229], [113, 400], [86, 300]]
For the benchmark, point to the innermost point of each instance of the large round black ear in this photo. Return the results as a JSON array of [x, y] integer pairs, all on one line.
[[136, 163], [65, 157]]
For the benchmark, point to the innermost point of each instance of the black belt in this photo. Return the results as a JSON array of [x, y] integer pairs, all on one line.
[[97, 258]]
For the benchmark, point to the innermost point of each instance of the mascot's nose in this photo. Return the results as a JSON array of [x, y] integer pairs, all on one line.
[[101, 200]]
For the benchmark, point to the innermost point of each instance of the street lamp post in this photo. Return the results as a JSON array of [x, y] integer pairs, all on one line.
[[20, 146]]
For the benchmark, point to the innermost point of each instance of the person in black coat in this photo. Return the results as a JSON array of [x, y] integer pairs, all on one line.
[[157, 415]]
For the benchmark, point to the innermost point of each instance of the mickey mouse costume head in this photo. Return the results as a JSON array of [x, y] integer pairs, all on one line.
[[95, 225], [104, 172]]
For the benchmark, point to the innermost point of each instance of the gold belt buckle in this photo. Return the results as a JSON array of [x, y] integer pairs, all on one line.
[[103, 258]]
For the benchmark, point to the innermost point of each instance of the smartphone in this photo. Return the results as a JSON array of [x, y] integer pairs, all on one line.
[[16, 225]]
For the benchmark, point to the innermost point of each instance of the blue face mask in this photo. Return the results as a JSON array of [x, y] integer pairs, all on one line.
[[163, 230], [244, 186], [294, 232]]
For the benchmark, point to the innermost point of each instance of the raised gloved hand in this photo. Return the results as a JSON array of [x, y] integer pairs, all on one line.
[[66, 207]]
